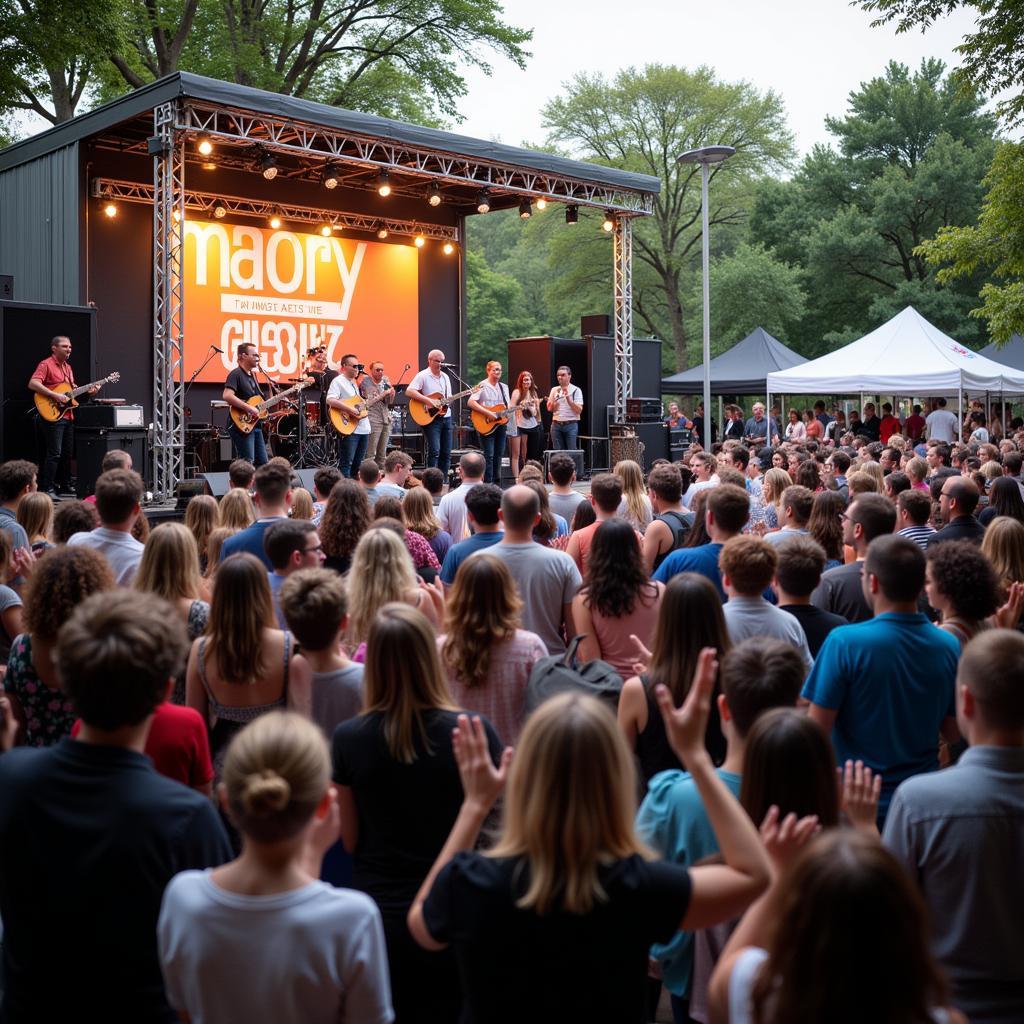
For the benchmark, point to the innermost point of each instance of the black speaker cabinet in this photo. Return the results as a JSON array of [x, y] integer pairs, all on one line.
[[92, 445], [655, 440], [576, 454], [219, 483]]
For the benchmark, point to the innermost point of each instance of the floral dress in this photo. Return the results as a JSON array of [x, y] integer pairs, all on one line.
[[49, 714]]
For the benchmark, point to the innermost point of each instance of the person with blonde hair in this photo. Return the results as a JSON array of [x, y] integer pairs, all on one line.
[[10, 600], [862, 482], [35, 514], [261, 937], [214, 543], [242, 666], [875, 471], [488, 658], [237, 510], [202, 517], [170, 569], [419, 516], [569, 883], [1003, 546], [302, 504], [636, 505], [764, 516], [399, 793]]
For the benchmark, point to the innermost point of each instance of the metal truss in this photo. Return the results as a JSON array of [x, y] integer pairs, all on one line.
[[241, 128], [206, 202], [168, 199], [623, 298]]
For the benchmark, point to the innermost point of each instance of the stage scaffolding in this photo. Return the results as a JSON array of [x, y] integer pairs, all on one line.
[[357, 158]]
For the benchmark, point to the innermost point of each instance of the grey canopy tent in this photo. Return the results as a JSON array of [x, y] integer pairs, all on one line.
[[740, 370], [1010, 354]]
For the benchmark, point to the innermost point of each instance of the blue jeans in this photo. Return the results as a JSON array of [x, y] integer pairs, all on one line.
[[563, 435], [494, 448], [249, 446], [439, 443], [351, 452]]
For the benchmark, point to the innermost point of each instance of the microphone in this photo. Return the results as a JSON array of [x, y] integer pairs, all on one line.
[[215, 349], [451, 366]]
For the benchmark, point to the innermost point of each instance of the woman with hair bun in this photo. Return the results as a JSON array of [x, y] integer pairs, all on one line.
[[261, 938]]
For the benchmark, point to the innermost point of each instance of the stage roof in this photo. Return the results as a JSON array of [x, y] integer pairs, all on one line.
[[184, 86], [740, 370]]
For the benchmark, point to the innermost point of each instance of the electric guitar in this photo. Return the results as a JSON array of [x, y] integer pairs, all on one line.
[[424, 413], [52, 411], [261, 407], [484, 426], [356, 408]]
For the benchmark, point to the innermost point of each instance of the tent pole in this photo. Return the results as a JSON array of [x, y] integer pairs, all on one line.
[[960, 408], [721, 420]]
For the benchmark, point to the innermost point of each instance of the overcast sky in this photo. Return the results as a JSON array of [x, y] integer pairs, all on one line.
[[811, 52]]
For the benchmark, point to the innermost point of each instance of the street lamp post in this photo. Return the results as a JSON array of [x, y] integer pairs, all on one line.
[[706, 156]]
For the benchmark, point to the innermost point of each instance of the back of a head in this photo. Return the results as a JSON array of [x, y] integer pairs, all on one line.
[[240, 610], [788, 761], [369, 472], [749, 562], [760, 674], [801, 561], [236, 509], [116, 655], [473, 466], [799, 500], [240, 473], [314, 604], [964, 492], [876, 515], [272, 481], [324, 480], [606, 490], [387, 507], [896, 483], [63, 577], [992, 667], [898, 564], [851, 938], [433, 479], [569, 803], [483, 503], [276, 773], [561, 468], [730, 507], [665, 482], [285, 537], [116, 458], [118, 492], [15, 476], [1003, 545], [71, 517], [382, 571], [519, 508], [1004, 496], [1012, 462], [169, 566], [841, 462]]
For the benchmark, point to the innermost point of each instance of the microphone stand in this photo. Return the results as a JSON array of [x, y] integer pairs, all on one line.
[[213, 351], [463, 386]]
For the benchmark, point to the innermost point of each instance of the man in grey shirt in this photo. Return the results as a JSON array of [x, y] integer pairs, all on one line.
[[118, 501], [960, 833], [562, 498], [547, 579]]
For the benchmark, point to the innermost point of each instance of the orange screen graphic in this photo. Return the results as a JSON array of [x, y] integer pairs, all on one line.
[[288, 292]]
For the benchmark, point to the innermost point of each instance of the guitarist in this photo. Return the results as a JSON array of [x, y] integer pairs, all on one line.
[[439, 434], [58, 438], [238, 389], [380, 415], [352, 449], [492, 392]]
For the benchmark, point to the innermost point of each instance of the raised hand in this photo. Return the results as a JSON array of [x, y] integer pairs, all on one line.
[[482, 783], [1009, 614], [859, 791], [784, 840], [24, 561], [685, 726], [641, 655]]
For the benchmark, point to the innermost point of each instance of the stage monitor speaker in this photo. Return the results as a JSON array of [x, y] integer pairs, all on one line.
[[219, 483], [599, 324], [92, 445], [306, 476], [185, 491], [576, 454], [25, 332]]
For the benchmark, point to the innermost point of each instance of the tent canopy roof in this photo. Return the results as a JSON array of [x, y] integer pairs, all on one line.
[[740, 370], [1011, 354], [906, 355]]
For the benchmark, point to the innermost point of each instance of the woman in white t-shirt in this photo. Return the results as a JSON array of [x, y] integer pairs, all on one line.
[[261, 938], [795, 429]]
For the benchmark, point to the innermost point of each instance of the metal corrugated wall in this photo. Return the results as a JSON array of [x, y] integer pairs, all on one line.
[[39, 227]]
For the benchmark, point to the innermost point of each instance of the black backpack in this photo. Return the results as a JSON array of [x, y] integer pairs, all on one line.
[[559, 673]]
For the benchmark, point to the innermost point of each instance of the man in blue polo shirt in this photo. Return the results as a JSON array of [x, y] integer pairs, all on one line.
[[273, 498], [482, 504], [728, 509], [885, 688]]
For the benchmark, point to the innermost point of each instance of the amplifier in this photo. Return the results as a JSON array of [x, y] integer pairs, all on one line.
[[643, 410], [97, 417], [678, 436]]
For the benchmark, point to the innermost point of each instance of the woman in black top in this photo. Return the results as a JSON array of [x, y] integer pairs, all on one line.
[[1004, 499], [555, 923], [399, 794]]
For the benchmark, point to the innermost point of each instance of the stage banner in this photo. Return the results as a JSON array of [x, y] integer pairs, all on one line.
[[288, 292]]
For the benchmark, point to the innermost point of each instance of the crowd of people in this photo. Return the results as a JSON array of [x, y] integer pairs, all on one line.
[[743, 735]]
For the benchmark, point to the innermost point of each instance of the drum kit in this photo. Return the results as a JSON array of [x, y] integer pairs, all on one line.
[[298, 432]]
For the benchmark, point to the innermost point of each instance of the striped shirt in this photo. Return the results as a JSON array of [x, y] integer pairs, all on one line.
[[918, 534]]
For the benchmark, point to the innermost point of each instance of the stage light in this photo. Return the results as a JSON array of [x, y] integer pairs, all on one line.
[[525, 210], [326, 230], [330, 177], [176, 216], [384, 184], [572, 215], [220, 211], [268, 166], [110, 209], [483, 202], [448, 248], [382, 231], [542, 204], [205, 147], [419, 241], [275, 221], [434, 196], [608, 224]]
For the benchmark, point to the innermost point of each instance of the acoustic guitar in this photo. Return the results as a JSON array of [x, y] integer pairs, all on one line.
[[261, 407], [52, 411], [424, 413], [356, 408], [484, 426]]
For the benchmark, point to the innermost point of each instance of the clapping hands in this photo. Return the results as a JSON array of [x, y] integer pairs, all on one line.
[[685, 726]]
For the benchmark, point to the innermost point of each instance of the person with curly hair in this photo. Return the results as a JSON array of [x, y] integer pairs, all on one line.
[[61, 580], [962, 586], [618, 600], [487, 657], [345, 519], [71, 517]]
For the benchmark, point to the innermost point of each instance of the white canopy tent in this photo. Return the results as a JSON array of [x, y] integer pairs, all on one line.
[[905, 356]]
